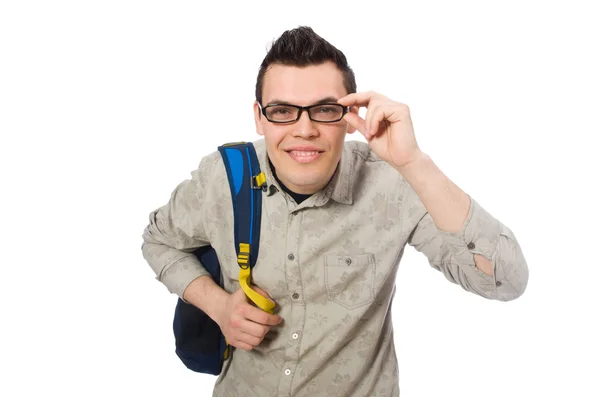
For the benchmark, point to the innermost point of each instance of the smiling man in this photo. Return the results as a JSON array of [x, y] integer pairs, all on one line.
[[337, 216], [305, 151]]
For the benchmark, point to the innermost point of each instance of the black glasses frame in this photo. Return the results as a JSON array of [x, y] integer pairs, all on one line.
[[263, 110]]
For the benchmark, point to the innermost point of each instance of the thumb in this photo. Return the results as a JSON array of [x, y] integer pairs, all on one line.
[[262, 292], [355, 121], [239, 295], [266, 295]]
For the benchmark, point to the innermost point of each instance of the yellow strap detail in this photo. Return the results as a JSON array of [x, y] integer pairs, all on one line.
[[260, 179], [244, 255], [260, 301]]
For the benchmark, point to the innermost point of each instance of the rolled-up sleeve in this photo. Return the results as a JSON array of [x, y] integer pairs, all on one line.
[[174, 232], [452, 254]]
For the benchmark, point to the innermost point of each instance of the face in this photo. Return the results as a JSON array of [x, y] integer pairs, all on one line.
[[304, 153]]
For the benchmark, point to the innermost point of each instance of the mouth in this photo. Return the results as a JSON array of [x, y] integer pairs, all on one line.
[[304, 156]]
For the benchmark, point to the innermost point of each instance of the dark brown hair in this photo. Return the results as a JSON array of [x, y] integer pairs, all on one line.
[[303, 47]]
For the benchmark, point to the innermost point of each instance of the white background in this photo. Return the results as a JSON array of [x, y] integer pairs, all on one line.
[[106, 106]]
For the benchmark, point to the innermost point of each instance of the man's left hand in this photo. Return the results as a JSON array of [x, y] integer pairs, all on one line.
[[387, 127]]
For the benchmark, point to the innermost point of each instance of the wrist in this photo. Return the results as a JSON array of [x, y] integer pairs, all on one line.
[[219, 306], [207, 296], [418, 160]]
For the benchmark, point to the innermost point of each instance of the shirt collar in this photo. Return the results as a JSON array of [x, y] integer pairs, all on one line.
[[339, 187]]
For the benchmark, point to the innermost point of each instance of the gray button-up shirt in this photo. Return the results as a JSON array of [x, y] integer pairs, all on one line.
[[330, 265]]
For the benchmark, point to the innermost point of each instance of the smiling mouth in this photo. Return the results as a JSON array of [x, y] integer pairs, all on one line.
[[304, 152], [304, 156]]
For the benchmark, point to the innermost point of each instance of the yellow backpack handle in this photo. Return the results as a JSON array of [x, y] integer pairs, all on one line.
[[245, 280], [260, 301]]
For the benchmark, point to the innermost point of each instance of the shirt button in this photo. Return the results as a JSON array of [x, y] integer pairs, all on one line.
[[498, 283], [295, 295], [291, 257], [348, 261], [295, 335], [471, 245], [287, 372]]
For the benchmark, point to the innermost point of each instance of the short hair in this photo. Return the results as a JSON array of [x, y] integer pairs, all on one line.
[[303, 47]]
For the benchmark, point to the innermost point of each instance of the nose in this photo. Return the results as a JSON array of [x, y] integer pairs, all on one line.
[[304, 127]]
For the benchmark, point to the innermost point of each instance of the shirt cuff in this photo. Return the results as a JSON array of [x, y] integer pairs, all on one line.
[[181, 273], [484, 235], [480, 233]]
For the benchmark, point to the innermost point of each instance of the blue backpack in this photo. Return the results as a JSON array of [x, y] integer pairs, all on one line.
[[199, 342]]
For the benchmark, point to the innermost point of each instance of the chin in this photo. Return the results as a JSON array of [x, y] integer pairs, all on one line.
[[306, 180]]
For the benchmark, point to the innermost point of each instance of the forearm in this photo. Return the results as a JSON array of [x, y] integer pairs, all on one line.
[[183, 274], [447, 204], [206, 295]]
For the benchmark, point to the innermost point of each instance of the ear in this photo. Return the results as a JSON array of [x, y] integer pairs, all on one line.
[[352, 130], [257, 119]]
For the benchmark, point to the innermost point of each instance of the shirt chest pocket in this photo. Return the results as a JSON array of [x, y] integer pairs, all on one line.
[[349, 279]]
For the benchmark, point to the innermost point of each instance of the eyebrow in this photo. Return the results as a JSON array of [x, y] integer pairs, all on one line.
[[328, 99]]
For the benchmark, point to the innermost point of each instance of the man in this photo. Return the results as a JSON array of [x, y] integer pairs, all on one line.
[[336, 218]]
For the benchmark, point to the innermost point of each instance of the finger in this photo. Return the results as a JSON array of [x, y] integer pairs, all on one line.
[[242, 345], [376, 118], [262, 292], [254, 329], [392, 112], [355, 121], [261, 317], [249, 339], [369, 118], [359, 98]]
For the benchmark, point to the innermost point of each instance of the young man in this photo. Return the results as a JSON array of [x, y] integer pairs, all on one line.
[[336, 218]]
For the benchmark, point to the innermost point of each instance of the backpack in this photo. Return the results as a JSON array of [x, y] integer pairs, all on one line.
[[199, 342]]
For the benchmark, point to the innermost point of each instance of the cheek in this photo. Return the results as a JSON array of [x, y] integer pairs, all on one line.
[[337, 137], [274, 135]]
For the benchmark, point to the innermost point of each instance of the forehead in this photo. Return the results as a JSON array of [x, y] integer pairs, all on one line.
[[303, 85]]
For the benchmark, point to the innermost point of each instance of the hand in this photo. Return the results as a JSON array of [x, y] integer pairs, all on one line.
[[243, 324], [387, 127]]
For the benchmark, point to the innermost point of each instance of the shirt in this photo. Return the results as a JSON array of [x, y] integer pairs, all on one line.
[[330, 264]]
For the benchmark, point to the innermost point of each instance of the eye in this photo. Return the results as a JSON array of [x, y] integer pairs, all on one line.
[[328, 109], [281, 112]]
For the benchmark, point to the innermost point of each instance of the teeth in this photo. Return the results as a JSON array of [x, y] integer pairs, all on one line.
[[306, 154]]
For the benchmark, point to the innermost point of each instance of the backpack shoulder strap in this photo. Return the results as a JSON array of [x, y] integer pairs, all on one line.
[[246, 183]]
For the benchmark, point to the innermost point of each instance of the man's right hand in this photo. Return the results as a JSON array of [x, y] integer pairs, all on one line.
[[244, 325]]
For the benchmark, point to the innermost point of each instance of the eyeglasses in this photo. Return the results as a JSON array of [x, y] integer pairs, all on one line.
[[322, 113]]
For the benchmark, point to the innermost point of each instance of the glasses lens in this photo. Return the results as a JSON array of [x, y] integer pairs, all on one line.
[[281, 113], [327, 112]]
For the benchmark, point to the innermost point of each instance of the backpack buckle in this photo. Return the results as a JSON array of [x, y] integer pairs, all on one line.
[[259, 182], [243, 258]]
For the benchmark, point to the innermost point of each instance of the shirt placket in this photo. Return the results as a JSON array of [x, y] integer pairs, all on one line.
[[295, 321]]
